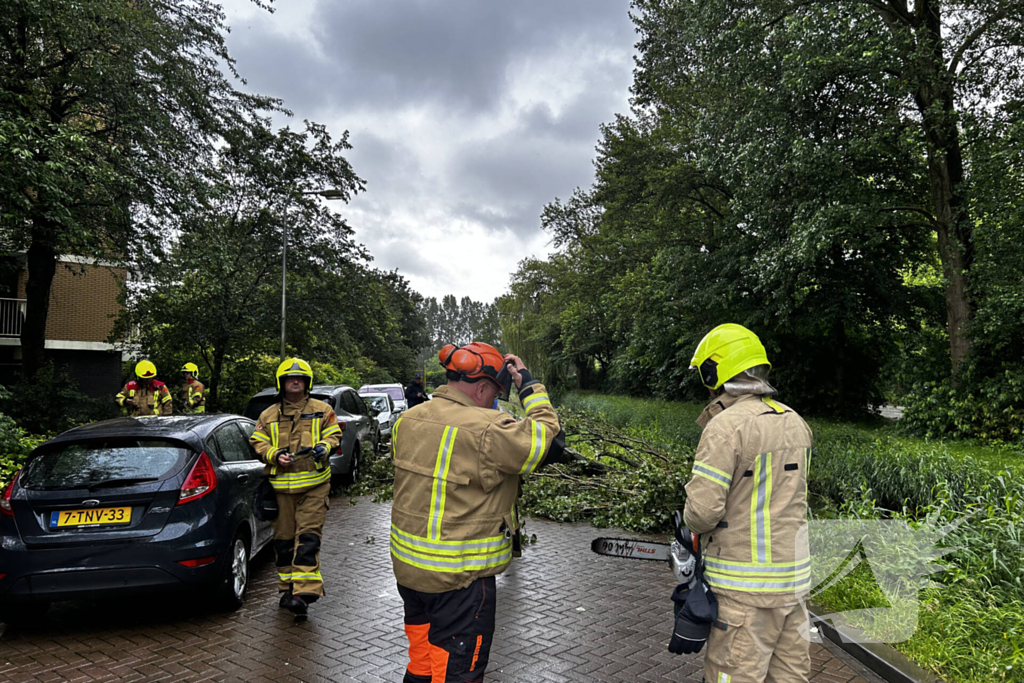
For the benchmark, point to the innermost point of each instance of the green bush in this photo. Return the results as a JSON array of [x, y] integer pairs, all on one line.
[[990, 408], [52, 403], [15, 444]]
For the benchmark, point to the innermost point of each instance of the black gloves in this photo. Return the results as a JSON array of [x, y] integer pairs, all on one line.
[[695, 610], [319, 453], [527, 380], [689, 635]]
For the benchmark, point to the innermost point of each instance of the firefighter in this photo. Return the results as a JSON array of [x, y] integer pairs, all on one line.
[[295, 437], [747, 497], [414, 393], [453, 522], [192, 394], [145, 395]]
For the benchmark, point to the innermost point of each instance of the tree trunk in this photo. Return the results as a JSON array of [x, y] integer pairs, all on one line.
[[212, 401], [42, 266], [935, 101]]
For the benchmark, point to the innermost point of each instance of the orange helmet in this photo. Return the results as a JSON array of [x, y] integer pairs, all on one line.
[[474, 362]]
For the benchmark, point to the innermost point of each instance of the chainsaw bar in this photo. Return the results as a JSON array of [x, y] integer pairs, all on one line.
[[636, 550]]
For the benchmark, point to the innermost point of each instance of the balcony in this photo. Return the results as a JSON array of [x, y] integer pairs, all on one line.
[[12, 314]]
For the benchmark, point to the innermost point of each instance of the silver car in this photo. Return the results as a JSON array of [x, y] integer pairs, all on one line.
[[387, 416]]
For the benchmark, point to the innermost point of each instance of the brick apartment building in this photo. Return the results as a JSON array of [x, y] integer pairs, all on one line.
[[84, 301]]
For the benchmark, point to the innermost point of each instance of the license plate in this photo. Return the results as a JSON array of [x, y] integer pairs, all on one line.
[[91, 517]]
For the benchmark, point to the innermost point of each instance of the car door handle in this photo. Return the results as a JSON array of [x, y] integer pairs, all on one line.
[[242, 478]]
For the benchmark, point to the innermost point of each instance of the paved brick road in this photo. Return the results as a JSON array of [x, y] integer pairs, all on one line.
[[564, 614]]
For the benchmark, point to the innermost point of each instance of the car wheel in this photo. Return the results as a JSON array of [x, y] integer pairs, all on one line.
[[23, 614], [235, 583], [352, 475]]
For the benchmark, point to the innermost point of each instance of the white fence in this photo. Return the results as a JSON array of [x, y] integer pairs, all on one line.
[[12, 315]]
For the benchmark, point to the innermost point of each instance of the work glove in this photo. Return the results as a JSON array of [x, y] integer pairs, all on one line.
[[319, 454], [696, 610]]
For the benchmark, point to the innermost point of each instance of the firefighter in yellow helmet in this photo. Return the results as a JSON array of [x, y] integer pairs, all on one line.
[[295, 437], [145, 395], [458, 464], [747, 498], [192, 393]]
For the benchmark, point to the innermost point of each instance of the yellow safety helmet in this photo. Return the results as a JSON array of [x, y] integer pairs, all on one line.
[[145, 369], [292, 367], [725, 352], [191, 367]]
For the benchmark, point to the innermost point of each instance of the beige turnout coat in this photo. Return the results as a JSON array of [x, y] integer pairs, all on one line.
[[457, 469], [297, 426], [748, 498]]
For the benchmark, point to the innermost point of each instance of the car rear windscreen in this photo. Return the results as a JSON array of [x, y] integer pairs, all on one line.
[[379, 402], [85, 465]]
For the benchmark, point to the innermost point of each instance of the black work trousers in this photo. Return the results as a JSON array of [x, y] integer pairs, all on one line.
[[449, 633]]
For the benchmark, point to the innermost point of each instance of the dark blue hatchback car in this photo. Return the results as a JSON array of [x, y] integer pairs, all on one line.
[[132, 505]]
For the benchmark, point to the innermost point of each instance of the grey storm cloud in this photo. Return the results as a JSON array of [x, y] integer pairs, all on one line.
[[370, 53], [529, 81]]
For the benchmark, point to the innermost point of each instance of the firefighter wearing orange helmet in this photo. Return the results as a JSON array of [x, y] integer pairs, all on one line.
[[145, 395], [458, 464]]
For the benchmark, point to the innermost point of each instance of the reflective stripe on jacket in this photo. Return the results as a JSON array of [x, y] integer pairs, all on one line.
[[154, 399], [193, 397], [457, 469], [298, 426], [748, 497]]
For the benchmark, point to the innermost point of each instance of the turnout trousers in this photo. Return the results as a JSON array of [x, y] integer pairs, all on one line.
[[449, 633], [758, 644], [297, 532]]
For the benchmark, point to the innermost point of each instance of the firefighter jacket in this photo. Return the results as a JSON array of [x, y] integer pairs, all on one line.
[[192, 395], [748, 498], [287, 427], [457, 470], [154, 399]]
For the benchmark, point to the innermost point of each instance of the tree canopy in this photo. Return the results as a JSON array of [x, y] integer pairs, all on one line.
[[824, 173]]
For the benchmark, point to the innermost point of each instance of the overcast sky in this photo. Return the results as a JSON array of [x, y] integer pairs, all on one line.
[[466, 116]]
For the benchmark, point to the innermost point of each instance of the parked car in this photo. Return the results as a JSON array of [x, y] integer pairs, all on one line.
[[132, 505], [387, 416], [395, 391], [359, 431]]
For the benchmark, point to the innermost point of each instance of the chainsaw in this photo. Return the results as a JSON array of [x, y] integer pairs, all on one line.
[[681, 553]]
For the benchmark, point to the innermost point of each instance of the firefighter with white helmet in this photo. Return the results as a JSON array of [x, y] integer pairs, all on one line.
[[295, 437], [145, 395], [747, 498]]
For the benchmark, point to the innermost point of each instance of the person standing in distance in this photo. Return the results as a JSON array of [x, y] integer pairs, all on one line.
[[457, 470], [295, 437], [748, 499], [192, 394], [145, 395], [415, 394]]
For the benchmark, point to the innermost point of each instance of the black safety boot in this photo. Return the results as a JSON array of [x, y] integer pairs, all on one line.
[[286, 596], [296, 605]]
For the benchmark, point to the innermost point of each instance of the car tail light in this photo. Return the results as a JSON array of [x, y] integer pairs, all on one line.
[[198, 562], [5, 498], [200, 481]]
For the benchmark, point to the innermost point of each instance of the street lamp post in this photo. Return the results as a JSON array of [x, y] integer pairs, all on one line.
[[328, 195]]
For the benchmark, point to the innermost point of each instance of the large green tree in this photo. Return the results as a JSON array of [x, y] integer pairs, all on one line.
[[215, 287], [774, 86], [109, 110]]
